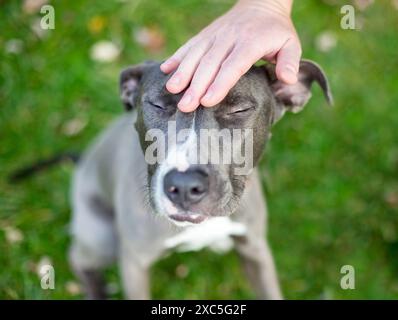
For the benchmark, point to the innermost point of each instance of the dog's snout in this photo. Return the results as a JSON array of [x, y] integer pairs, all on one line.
[[186, 188]]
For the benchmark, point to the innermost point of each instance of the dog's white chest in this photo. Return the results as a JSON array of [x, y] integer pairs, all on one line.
[[214, 233]]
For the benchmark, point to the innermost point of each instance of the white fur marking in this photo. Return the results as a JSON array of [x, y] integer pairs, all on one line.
[[178, 157], [214, 233]]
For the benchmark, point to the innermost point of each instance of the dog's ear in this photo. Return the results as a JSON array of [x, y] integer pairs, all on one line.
[[294, 97], [130, 83]]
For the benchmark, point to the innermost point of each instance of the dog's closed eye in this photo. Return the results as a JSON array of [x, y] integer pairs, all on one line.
[[240, 110], [158, 105]]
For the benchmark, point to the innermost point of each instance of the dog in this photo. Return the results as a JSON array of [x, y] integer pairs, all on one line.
[[128, 210]]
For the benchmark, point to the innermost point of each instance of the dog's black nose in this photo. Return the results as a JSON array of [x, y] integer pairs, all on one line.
[[186, 188]]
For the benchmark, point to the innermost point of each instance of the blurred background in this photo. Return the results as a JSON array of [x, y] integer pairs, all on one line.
[[330, 174]]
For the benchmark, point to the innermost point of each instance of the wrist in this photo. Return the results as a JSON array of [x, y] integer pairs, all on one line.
[[283, 7]]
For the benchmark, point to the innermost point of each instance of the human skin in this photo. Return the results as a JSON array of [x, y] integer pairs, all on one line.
[[209, 64]]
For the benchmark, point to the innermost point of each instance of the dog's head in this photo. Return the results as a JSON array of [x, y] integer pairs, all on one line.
[[198, 162]]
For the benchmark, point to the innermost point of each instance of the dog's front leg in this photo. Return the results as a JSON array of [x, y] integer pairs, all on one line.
[[135, 276], [253, 248], [258, 264]]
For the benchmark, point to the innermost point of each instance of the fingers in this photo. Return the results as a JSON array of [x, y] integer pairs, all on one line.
[[186, 69], [288, 61], [205, 73], [231, 70], [172, 63]]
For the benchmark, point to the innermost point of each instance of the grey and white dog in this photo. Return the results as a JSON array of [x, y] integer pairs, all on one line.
[[128, 210]]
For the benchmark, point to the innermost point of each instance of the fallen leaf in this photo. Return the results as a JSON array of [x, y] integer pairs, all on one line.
[[150, 38], [30, 266], [363, 4], [104, 51], [37, 29], [13, 235], [325, 41], [73, 127], [73, 288], [182, 271], [359, 22], [392, 199], [14, 46], [33, 6], [96, 24]]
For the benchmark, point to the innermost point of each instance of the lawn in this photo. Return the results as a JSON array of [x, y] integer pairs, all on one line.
[[330, 174]]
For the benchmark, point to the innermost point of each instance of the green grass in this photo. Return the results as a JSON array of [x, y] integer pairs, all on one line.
[[330, 174]]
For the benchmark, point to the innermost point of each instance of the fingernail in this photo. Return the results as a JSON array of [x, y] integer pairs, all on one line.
[[165, 64], [175, 80], [208, 95], [290, 68], [290, 74], [185, 100]]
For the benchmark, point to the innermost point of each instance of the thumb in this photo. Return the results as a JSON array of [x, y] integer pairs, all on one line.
[[288, 61]]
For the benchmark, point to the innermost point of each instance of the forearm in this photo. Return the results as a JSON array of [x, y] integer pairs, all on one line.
[[280, 6]]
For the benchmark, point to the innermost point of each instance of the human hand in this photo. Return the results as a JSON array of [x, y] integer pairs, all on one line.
[[213, 61]]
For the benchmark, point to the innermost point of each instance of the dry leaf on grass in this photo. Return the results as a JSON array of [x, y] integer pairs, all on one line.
[[325, 41], [37, 29], [33, 6], [73, 288], [96, 24], [182, 271], [150, 38], [73, 127], [391, 199], [104, 51], [363, 4], [14, 46], [13, 235]]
